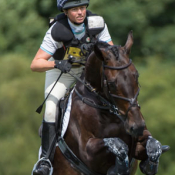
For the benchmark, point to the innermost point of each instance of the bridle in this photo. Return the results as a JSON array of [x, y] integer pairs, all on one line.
[[106, 87], [109, 102]]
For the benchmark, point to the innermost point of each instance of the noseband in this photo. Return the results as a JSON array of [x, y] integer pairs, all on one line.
[[106, 85]]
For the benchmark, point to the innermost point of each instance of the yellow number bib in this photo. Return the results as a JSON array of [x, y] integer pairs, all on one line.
[[75, 52]]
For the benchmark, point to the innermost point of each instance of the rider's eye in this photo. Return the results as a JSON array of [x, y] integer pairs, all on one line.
[[83, 8]]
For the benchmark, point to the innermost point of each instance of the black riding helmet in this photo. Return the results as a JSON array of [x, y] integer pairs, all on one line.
[[67, 4]]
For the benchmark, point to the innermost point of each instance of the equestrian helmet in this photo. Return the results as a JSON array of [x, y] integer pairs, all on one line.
[[67, 4]]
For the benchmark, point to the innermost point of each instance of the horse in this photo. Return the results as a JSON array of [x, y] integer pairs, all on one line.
[[104, 109]]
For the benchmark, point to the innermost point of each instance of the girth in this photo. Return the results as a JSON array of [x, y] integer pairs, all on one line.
[[73, 159]]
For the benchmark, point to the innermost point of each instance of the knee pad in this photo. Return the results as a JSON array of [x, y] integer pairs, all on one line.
[[50, 112]]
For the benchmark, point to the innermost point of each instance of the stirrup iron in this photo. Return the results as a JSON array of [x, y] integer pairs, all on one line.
[[38, 163]]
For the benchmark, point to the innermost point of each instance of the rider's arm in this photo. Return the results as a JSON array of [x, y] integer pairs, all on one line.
[[111, 43], [40, 62], [105, 36]]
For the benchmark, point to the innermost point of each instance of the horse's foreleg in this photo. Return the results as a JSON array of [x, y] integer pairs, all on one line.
[[120, 149], [154, 151], [102, 149]]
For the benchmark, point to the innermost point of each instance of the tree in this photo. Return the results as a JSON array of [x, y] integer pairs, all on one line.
[[151, 21], [22, 25]]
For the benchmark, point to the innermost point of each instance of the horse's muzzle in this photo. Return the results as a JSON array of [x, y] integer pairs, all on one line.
[[137, 130]]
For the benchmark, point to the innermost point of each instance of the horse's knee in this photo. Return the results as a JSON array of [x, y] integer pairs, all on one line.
[[94, 146]]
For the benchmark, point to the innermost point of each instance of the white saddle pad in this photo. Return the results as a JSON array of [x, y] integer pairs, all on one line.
[[67, 115], [65, 120]]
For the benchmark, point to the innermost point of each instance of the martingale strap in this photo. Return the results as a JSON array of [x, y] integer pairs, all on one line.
[[106, 106], [77, 163], [91, 102]]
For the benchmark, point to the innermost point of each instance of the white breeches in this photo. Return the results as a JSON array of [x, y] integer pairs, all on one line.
[[59, 90]]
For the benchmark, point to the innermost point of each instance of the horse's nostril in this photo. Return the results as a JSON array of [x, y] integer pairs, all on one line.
[[132, 129], [136, 130], [140, 131]]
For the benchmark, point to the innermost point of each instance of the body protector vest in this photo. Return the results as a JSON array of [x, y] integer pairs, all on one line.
[[61, 32]]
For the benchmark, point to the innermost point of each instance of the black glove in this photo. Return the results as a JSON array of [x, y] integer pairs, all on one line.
[[64, 65]]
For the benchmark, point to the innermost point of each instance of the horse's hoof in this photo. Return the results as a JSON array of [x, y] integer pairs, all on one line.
[[165, 148], [112, 171]]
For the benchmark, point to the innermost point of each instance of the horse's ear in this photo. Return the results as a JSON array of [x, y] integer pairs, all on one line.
[[98, 52], [129, 43]]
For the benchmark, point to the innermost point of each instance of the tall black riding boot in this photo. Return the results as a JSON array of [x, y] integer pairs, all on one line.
[[44, 166]]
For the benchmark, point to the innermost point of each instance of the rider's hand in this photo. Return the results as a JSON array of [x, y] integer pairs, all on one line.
[[64, 65], [154, 149]]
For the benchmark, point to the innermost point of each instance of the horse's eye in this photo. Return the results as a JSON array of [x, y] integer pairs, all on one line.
[[136, 76]]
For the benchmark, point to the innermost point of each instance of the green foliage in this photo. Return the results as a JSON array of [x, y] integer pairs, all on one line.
[[21, 92], [151, 21], [23, 25], [157, 105]]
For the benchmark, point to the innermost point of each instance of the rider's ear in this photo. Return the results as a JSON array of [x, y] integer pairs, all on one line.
[[65, 12], [98, 52], [129, 43]]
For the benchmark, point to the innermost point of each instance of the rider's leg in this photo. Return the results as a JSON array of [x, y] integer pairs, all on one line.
[[48, 131], [48, 127], [50, 113]]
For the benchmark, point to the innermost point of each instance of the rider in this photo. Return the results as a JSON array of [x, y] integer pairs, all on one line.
[[70, 33], [66, 36]]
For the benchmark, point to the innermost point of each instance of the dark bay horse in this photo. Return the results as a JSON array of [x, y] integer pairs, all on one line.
[[104, 109]]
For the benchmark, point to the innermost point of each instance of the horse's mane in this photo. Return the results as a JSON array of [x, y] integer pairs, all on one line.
[[102, 44], [113, 48]]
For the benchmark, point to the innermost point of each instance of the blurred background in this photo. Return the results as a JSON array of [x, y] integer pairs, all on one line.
[[22, 27]]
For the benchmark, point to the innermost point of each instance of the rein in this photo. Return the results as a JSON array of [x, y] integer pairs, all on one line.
[[106, 104]]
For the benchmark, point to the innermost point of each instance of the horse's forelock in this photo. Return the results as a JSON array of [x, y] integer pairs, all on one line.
[[112, 48], [115, 51]]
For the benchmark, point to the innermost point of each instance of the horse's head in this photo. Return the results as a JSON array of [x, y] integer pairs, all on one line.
[[119, 83]]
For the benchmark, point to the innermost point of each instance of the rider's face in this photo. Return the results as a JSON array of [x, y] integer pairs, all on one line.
[[76, 14]]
